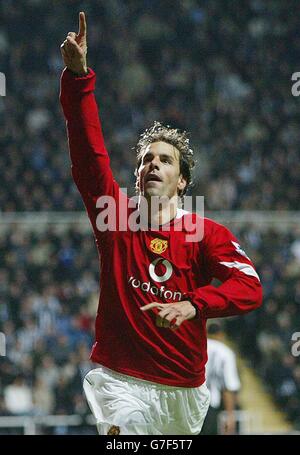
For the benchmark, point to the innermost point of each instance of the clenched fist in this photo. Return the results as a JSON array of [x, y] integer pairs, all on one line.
[[74, 49]]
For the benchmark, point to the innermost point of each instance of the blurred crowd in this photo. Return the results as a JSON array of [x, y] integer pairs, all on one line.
[[221, 70], [48, 301], [266, 337]]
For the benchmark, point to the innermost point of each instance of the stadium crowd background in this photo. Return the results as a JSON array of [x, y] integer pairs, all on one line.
[[221, 70]]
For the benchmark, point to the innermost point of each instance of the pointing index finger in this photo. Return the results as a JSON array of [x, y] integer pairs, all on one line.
[[159, 305], [82, 24], [149, 306]]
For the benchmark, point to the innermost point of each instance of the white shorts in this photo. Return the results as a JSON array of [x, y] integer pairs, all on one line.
[[138, 407]]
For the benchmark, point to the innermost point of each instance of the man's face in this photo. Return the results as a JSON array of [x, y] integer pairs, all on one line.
[[159, 171]]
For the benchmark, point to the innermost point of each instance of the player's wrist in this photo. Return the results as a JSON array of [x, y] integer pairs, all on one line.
[[79, 72], [196, 310], [83, 72]]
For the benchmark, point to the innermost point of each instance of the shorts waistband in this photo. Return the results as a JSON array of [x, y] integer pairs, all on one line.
[[135, 380]]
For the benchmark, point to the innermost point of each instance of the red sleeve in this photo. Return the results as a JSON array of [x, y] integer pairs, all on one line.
[[240, 291], [90, 163]]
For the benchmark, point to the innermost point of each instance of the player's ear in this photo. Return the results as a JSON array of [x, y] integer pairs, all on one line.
[[181, 184]]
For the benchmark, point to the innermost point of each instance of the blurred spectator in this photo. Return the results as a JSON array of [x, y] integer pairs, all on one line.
[[223, 382], [43, 398], [18, 397]]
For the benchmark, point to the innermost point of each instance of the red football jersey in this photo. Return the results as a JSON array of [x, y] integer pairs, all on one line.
[[137, 268]]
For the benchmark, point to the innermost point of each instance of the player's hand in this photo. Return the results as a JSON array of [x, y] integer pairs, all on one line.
[[172, 315], [74, 49]]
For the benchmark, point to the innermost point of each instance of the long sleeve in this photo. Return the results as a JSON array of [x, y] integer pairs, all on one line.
[[240, 291], [90, 162]]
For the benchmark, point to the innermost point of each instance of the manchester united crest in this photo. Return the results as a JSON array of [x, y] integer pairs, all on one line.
[[158, 246], [114, 430]]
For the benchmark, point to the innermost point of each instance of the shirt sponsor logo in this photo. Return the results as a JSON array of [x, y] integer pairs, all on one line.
[[162, 292], [166, 275], [158, 246], [147, 287]]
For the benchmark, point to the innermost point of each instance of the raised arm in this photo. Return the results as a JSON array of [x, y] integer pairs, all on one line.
[[90, 162]]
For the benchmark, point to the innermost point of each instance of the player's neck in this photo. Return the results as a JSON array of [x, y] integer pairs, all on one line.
[[160, 214], [158, 211]]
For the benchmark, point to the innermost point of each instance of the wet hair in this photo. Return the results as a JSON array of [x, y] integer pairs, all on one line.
[[179, 139]]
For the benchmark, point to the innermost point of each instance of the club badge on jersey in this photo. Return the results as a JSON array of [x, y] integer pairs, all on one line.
[[158, 246]]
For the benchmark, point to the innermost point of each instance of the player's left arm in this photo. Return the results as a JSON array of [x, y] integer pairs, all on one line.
[[241, 289], [240, 292]]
